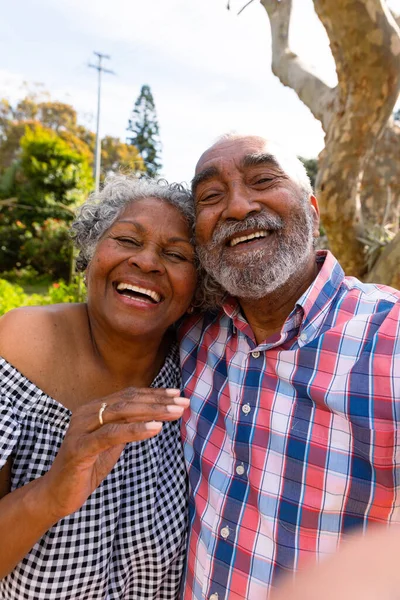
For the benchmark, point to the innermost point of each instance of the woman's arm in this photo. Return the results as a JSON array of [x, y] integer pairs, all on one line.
[[87, 455], [25, 516]]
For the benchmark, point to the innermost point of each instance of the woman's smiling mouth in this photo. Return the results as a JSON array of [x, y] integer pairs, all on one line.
[[138, 293]]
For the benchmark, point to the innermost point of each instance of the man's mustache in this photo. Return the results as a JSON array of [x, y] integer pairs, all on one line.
[[224, 231]]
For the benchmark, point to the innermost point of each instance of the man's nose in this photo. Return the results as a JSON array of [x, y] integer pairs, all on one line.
[[240, 203], [147, 260]]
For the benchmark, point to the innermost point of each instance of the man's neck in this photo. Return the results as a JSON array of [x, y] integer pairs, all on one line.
[[267, 315]]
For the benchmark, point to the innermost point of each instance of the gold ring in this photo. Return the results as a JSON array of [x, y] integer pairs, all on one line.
[[102, 409]]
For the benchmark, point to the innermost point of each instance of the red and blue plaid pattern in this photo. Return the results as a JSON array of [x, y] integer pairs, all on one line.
[[293, 442]]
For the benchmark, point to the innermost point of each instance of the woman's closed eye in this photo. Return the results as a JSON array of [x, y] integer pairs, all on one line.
[[127, 240], [175, 256]]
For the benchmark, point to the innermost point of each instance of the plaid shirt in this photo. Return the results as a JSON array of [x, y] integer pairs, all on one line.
[[292, 442]]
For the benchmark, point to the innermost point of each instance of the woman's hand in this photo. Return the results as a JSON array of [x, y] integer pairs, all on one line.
[[90, 449]]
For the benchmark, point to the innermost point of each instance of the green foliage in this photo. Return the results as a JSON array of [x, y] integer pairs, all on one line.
[[49, 249], [26, 276], [311, 165], [41, 190], [48, 180], [145, 131], [46, 162], [53, 175], [13, 295], [13, 235], [119, 157], [63, 292]]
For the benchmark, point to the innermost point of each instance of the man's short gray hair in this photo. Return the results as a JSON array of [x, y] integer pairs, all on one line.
[[101, 209]]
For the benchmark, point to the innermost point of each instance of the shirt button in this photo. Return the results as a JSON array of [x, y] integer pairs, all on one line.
[[225, 532], [246, 409], [214, 596], [255, 354], [240, 469], [303, 337]]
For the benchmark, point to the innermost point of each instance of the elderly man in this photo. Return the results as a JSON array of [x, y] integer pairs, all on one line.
[[294, 378]]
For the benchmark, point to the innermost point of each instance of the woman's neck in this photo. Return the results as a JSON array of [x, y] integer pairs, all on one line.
[[128, 360]]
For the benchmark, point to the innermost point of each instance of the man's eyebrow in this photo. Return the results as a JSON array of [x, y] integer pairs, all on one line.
[[253, 160], [204, 175]]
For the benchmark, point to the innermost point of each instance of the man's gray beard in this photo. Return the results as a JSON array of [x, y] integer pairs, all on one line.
[[253, 275]]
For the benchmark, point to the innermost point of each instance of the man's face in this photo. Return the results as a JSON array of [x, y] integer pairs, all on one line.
[[254, 226]]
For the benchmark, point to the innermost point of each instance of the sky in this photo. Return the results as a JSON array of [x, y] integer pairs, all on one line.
[[208, 68]]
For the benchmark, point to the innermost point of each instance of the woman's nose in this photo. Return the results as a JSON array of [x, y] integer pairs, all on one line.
[[147, 260]]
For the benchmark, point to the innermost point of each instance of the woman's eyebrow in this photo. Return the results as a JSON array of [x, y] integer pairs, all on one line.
[[138, 226], [176, 239], [204, 175]]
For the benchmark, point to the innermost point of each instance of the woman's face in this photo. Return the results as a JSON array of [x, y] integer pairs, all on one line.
[[142, 276]]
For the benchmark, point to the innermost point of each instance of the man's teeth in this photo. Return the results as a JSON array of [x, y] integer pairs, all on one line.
[[245, 238], [134, 288]]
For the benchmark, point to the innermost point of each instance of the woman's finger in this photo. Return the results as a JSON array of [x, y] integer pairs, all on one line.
[[114, 434], [127, 412], [129, 406]]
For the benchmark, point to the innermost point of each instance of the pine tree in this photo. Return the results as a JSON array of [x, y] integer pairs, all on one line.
[[145, 132]]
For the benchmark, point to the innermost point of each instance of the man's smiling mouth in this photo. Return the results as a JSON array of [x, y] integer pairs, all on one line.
[[240, 239]]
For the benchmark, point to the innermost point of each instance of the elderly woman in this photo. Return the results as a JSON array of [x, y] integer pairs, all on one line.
[[92, 485]]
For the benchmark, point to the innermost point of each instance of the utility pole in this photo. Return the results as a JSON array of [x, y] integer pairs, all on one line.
[[97, 155]]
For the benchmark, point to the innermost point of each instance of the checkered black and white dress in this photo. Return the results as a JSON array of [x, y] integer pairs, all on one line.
[[128, 541]]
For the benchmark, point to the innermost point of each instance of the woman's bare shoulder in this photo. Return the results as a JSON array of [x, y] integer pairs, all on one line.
[[32, 333]]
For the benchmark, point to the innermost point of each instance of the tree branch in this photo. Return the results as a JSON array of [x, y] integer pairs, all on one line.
[[291, 70]]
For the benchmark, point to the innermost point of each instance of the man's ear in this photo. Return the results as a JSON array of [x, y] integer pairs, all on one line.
[[315, 212]]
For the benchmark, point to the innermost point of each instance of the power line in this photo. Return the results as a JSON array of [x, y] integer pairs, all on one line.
[[97, 156]]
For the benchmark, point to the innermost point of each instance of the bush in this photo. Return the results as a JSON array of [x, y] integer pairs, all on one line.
[[12, 237], [46, 248], [48, 251], [62, 292], [26, 277], [13, 295]]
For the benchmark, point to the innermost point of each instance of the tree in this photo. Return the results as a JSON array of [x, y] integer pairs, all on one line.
[[46, 162], [145, 131], [358, 182], [48, 180], [41, 189], [119, 157], [62, 119]]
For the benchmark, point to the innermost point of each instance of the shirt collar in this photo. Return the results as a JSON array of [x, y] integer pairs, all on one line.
[[310, 304]]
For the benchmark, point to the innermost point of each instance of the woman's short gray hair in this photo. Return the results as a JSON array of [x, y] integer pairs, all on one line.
[[101, 209]]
